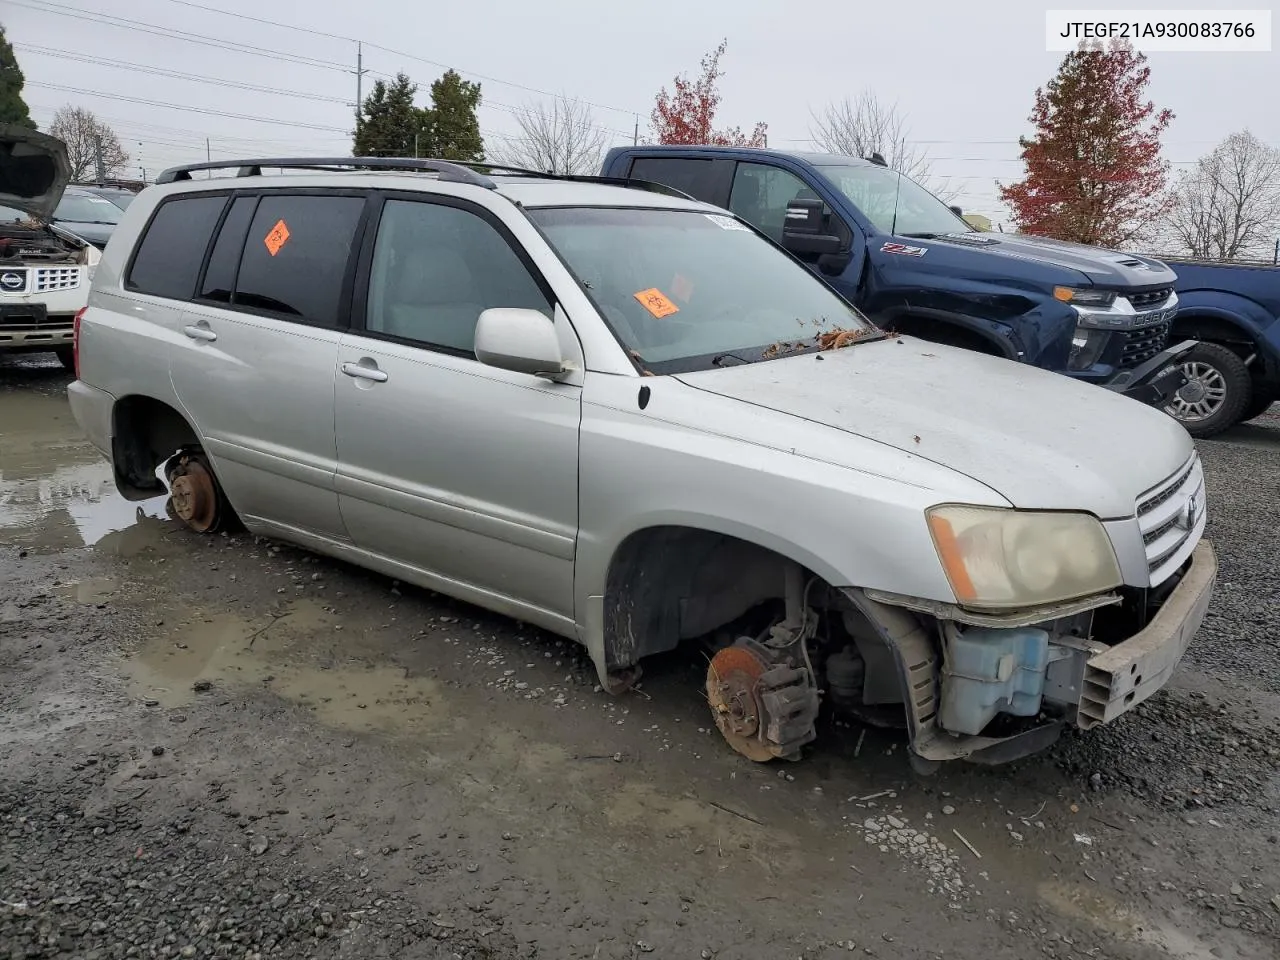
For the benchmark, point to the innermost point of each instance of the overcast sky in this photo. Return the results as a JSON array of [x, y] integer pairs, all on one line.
[[964, 79]]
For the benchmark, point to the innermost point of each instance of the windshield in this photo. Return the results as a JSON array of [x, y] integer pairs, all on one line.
[[685, 290], [895, 204], [121, 199], [9, 215], [86, 208]]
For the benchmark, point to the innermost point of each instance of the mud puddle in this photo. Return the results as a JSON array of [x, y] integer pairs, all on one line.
[[299, 653], [56, 491]]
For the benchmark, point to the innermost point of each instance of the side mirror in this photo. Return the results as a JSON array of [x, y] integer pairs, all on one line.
[[958, 212], [514, 338], [803, 231]]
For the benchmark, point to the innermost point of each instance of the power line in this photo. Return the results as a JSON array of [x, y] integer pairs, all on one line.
[[161, 72], [45, 6], [178, 106], [398, 53]]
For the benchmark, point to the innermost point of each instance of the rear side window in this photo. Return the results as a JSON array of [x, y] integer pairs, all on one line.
[[169, 258], [220, 275], [690, 176], [296, 254]]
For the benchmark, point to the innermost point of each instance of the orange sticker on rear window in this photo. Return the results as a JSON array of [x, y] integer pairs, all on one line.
[[656, 302], [277, 238]]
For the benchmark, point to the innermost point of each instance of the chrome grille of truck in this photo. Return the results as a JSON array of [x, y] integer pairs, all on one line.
[[1171, 517], [1150, 298], [45, 279], [1144, 343]]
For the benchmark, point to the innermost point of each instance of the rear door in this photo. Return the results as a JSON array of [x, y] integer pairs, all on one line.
[[257, 353], [703, 178], [462, 475]]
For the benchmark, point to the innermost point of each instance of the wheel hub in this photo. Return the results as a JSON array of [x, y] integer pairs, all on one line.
[[194, 497], [733, 680], [1202, 395]]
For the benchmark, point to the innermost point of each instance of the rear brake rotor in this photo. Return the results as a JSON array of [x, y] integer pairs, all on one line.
[[194, 495], [733, 680]]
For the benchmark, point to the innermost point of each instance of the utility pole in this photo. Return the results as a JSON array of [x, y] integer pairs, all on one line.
[[97, 151], [208, 156], [635, 135], [360, 72]]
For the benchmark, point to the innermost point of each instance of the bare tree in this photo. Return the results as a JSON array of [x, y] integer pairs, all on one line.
[[557, 138], [1228, 205], [862, 125], [89, 142]]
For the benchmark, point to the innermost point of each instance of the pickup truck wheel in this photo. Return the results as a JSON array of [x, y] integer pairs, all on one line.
[[1262, 400], [195, 496], [1217, 393]]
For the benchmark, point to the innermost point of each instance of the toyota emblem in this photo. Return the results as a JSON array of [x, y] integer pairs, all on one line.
[[13, 280]]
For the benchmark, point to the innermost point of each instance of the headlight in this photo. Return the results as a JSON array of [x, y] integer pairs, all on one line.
[[998, 559], [1086, 347], [1084, 297]]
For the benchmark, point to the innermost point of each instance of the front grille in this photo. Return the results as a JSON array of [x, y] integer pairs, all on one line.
[[29, 321], [1144, 343], [1169, 517], [1150, 298], [46, 279]]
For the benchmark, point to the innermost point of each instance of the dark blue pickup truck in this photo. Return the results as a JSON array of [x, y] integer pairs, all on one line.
[[1234, 373], [914, 265]]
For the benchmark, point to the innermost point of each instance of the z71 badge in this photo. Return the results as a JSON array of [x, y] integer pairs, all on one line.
[[903, 250]]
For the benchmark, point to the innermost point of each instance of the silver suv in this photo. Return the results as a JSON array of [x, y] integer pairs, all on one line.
[[627, 417]]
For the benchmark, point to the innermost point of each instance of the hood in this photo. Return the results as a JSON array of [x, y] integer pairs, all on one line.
[[1041, 440], [33, 170], [1103, 268]]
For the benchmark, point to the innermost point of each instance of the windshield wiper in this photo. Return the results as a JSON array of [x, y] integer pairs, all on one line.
[[920, 236], [719, 359]]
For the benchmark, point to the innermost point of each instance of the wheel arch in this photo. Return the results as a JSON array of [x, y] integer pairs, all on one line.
[[957, 330], [675, 579], [1236, 327], [145, 432]]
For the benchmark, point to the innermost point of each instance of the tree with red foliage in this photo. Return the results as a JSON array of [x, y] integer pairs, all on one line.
[[1094, 170], [687, 114]]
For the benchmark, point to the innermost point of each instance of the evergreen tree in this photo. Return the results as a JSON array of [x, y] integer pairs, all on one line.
[[452, 128], [13, 109], [1094, 170], [388, 120]]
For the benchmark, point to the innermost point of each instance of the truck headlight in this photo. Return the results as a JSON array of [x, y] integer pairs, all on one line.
[[1086, 347], [996, 558], [1084, 296]]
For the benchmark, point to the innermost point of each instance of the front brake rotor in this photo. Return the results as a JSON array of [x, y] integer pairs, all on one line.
[[194, 495], [733, 682]]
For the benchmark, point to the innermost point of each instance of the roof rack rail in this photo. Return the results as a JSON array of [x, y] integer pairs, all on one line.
[[647, 185], [444, 169]]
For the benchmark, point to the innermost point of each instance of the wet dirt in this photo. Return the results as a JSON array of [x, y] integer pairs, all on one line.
[[393, 746]]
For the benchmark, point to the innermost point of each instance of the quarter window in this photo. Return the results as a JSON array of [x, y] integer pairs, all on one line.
[[436, 268], [686, 174], [170, 254], [760, 196], [296, 254]]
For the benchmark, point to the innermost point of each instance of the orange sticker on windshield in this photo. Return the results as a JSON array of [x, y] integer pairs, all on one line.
[[277, 238], [656, 302]]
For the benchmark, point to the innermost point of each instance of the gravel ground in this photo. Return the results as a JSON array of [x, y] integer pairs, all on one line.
[[224, 747]]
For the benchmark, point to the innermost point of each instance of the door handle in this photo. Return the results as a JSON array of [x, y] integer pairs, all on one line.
[[364, 372], [197, 332]]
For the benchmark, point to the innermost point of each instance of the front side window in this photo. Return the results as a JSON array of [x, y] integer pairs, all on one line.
[[895, 204], [171, 252], [436, 268], [685, 290], [296, 254], [761, 194]]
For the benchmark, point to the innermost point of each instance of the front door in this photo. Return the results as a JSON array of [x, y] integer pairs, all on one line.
[[463, 476], [257, 356]]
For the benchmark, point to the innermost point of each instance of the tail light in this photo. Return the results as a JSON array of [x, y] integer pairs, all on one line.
[[75, 339]]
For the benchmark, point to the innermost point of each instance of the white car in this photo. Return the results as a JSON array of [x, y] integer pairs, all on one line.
[[44, 270], [627, 417]]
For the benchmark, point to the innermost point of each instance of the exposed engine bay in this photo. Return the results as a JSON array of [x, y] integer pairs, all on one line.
[[32, 242]]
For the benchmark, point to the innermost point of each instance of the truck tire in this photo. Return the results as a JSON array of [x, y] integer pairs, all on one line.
[[1262, 400], [1217, 395]]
